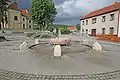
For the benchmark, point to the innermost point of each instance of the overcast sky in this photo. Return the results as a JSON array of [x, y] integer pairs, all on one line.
[[70, 11]]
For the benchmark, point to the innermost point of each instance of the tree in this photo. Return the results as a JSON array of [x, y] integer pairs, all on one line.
[[78, 26], [43, 13], [3, 9]]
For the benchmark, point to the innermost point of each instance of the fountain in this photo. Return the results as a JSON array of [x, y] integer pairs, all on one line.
[[59, 42]]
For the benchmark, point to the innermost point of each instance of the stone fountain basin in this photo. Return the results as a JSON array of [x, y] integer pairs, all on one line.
[[60, 41]]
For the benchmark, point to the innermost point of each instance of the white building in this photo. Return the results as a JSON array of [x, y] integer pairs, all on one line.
[[102, 21]]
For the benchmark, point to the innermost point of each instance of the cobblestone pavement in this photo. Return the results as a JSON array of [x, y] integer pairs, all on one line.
[[9, 75]]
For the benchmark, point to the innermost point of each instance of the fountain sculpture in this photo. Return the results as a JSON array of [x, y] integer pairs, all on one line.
[[59, 41], [23, 45]]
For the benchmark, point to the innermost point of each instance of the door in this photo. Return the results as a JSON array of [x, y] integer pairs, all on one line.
[[93, 32]]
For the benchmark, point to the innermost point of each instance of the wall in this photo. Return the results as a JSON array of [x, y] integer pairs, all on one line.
[[14, 23], [23, 22], [119, 25], [99, 24], [30, 23]]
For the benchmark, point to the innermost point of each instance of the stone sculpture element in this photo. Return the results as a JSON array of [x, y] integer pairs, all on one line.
[[97, 46], [60, 41], [36, 41], [23, 45], [57, 51]]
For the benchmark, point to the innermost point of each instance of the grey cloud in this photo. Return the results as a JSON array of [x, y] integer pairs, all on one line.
[[70, 13], [59, 1], [66, 19]]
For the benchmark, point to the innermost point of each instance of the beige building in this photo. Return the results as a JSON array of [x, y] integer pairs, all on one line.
[[18, 18], [102, 21]]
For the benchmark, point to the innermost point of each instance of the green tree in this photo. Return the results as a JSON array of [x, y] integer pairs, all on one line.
[[43, 13], [51, 28], [3, 9], [78, 26]]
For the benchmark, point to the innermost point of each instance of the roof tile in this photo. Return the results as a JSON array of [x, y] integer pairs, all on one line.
[[24, 12], [14, 6], [113, 7]]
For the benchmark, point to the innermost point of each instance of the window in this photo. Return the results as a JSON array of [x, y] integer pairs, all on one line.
[[29, 21], [83, 23], [86, 31], [23, 26], [29, 26], [15, 18], [94, 20], [103, 30], [111, 30], [83, 30], [23, 19], [112, 17], [86, 22], [103, 18]]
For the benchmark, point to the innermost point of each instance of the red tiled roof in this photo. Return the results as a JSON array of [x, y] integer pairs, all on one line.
[[14, 6], [24, 12], [113, 7], [72, 28]]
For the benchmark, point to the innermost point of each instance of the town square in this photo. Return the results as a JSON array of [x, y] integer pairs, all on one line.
[[36, 43]]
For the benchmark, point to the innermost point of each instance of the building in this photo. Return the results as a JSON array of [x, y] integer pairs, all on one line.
[[17, 18], [26, 19], [72, 28], [105, 21]]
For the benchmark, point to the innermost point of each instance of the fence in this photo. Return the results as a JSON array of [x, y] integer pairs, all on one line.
[[9, 75]]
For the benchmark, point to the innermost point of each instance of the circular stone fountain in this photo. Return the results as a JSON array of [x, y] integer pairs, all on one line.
[[39, 59]]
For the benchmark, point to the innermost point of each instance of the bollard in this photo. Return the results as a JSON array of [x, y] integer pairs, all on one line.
[[57, 51]]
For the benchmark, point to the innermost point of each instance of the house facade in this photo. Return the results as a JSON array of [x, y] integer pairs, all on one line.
[[27, 22], [17, 18], [72, 28], [102, 21]]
